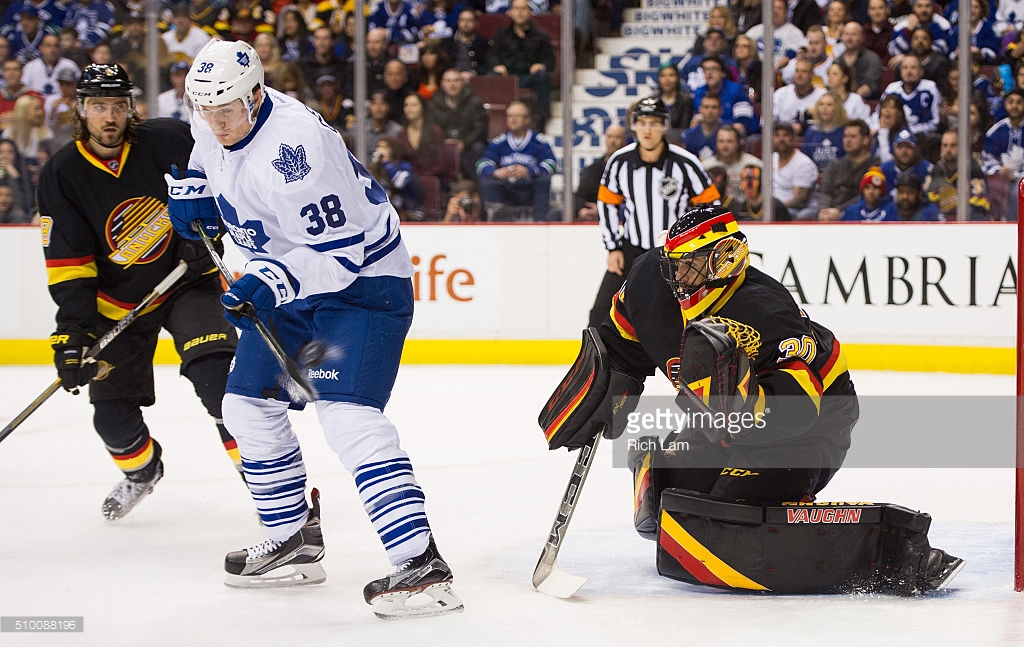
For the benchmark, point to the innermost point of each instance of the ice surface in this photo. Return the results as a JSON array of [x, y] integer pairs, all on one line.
[[155, 577]]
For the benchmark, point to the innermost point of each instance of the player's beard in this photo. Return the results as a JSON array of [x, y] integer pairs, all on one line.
[[108, 137]]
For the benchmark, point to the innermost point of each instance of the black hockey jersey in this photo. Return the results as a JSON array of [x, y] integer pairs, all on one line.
[[799, 364], [107, 237]]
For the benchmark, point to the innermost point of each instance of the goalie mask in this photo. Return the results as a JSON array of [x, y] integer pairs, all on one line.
[[704, 254]]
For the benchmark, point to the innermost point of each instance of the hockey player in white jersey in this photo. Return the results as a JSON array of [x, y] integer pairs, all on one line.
[[325, 261]]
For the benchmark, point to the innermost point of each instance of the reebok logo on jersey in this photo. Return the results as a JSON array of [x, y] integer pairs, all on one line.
[[322, 374]]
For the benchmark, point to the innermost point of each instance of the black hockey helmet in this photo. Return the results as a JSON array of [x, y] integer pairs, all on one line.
[[651, 106], [104, 80], [709, 243]]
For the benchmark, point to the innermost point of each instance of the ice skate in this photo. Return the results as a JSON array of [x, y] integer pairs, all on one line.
[[128, 493], [942, 568], [421, 586], [272, 563]]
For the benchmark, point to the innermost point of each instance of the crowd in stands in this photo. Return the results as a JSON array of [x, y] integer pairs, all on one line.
[[865, 97]]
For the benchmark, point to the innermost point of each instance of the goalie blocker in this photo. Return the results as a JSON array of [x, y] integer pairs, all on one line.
[[817, 547], [588, 398]]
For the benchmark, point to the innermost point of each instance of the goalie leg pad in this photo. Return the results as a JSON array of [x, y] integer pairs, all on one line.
[[808, 548], [566, 417]]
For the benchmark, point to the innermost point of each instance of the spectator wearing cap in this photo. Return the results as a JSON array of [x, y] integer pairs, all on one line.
[[841, 181], [911, 203], [61, 117], [906, 158], [171, 103], [12, 89], [93, 19], [794, 174], [716, 43], [26, 36], [322, 60], [41, 74], [185, 38], [336, 109], [874, 204]]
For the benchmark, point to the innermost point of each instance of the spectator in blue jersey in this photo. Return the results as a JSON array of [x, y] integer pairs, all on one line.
[[922, 15], [921, 97], [823, 141], [396, 17], [93, 19], [911, 203], [906, 158], [1002, 157], [715, 44], [523, 50], [736, 106], [984, 40], [874, 205], [516, 168], [25, 37], [438, 19], [701, 139]]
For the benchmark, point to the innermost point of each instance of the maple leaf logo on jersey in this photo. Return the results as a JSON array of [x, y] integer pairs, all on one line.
[[248, 234], [291, 163], [243, 59]]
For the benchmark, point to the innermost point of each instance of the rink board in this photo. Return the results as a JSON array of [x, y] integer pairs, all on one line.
[[899, 296]]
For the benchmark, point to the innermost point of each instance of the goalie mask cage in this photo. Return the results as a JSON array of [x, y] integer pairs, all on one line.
[[1018, 542]]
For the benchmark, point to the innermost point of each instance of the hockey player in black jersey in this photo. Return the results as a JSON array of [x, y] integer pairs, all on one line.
[[769, 408], [108, 241]]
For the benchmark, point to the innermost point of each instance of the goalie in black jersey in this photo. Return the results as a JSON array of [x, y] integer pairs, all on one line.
[[767, 406], [108, 242]]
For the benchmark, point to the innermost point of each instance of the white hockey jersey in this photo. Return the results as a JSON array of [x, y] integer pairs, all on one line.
[[292, 192]]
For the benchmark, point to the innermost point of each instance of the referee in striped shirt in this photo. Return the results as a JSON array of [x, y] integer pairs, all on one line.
[[646, 186]]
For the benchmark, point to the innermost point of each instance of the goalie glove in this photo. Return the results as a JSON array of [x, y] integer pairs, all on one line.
[[715, 383]]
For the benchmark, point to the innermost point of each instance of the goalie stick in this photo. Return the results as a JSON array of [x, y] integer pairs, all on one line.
[[295, 383], [104, 341], [547, 577]]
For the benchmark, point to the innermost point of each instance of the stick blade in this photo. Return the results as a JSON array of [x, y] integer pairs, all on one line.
[[557, 583]]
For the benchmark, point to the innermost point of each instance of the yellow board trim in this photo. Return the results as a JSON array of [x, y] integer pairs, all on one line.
[[562, 352]]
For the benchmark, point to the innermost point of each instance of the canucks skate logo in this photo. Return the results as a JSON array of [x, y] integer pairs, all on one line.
[[669, 187], [248, 234], [243, 59], [291, 163]]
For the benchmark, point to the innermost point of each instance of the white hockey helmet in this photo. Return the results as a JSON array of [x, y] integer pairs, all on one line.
[[224, 71]]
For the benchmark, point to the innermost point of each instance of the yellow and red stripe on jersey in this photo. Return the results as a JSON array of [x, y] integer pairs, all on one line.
[[622, 324], [231, 447], [111, 308], [112, 166], [134, 460], [698, 561], [604, 194], [701, 234], [808, 381], [59, 270], [834, 366]]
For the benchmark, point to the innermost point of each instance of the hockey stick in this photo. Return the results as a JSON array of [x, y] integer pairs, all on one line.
[[101, 343], [547, 577], [295, 383]]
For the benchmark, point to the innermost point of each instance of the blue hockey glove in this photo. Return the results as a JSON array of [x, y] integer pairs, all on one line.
[[189, 199], [265, 285]]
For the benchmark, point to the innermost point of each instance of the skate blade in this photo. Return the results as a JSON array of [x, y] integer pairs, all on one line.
[[957, 567], [288, 575], [432, 600]]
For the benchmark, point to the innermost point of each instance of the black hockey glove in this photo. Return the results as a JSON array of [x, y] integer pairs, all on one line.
[[69, 351], [198, 258]]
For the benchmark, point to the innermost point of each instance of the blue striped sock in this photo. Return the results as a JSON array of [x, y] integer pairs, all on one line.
[[394, 502]]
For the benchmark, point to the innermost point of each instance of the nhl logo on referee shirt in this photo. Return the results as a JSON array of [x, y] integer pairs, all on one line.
[[669, 187]]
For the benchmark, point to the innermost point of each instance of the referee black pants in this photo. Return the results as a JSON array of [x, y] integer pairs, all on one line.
[[610, 285]]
